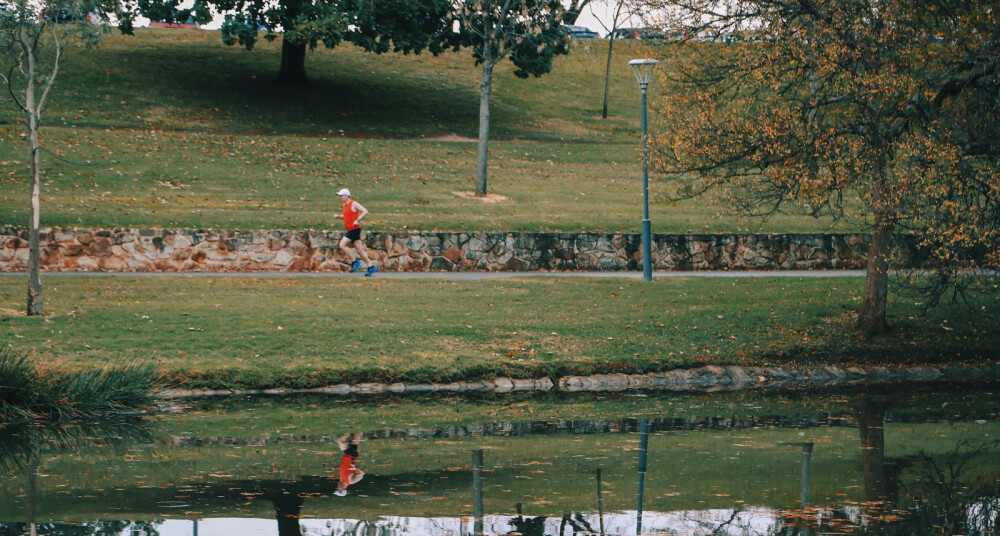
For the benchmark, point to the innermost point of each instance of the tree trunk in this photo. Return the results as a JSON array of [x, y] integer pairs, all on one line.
[[293, 63], [484, 120], [607, 75], [35, 302], [871, 320], [34, 219]]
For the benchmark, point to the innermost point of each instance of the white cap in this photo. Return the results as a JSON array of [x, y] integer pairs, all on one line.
[[344, 191]]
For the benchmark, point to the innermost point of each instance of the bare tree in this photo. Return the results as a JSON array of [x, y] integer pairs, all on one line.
[[32, 43], [622, 10], [528, 31]]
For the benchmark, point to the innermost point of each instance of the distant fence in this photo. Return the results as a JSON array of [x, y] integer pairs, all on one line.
[[184, 250]]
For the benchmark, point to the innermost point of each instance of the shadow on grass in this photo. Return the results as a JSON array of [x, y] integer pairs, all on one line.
[[233, 86]]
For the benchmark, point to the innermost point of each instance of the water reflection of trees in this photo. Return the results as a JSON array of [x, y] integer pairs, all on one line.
[[920, 494], [24, 445]]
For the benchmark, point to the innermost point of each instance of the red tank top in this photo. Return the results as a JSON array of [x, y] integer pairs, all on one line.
[[350, 216], [347, 468]]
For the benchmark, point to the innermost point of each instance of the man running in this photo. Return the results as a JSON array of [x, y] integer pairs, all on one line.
[[352, 216]]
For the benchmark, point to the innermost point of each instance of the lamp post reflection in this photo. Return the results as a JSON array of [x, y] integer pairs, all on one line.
[[600, 502], [477, 485], [643, 447]]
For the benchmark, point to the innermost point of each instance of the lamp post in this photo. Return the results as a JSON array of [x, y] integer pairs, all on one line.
[[643, 70]]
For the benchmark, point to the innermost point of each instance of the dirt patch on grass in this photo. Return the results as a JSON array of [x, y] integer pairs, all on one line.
[[12, 312], [453, 137], [490, 198]]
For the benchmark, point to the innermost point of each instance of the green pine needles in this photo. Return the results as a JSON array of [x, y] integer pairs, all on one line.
[[33, 393]]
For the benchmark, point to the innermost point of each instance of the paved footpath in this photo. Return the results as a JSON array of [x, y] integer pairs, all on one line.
[[474, 276]]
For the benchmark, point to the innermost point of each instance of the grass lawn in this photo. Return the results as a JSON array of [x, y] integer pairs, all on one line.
[[307, 332], [218, 144]]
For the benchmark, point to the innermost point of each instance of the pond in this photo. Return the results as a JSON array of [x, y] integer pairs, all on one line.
[[906, 460]]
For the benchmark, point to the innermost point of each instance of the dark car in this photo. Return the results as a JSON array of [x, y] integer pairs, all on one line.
[[638, 33], [186, 23], [581, 32]]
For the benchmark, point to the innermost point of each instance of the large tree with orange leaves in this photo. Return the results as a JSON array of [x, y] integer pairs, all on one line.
[[893, 105]]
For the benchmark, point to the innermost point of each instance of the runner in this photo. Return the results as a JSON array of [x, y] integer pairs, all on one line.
[[353, 213]]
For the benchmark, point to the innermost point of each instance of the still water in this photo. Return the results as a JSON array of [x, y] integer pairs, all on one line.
[[880, 461]]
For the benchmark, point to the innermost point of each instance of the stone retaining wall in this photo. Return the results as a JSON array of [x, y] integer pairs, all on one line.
[[181, 250], [704, 379]]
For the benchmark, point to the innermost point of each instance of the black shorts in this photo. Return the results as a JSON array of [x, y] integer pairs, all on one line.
[[354, 234], [352, 450]]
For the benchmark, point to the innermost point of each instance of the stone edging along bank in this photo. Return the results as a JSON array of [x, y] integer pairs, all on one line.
[[704, 379], [191, 250]]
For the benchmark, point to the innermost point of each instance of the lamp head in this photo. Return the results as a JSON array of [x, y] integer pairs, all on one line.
[[643, 70]]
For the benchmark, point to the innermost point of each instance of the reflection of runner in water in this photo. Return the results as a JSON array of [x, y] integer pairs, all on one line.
[[349, 472]]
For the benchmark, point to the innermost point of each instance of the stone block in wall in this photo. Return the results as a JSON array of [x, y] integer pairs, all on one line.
[[321, 240], [113, 264], [15, 243], [218, 256], [261, 257], [475, 245], [453, 254], [523, 242], [605, 243], [398, 249], [451, 240], [89, 264], [283, 258], [416, 243], [100, 247], [139, 263], [433, 243], [165, 252], [516, 264], [297, 248], [441, 263]]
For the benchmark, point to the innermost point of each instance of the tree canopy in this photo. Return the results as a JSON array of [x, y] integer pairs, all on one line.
[[391, 25], [885, 110]]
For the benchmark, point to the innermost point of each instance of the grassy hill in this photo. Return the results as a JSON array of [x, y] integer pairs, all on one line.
[[171, 128]]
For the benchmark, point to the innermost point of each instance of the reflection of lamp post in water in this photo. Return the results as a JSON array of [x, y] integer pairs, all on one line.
[[807, 449], [600, 501], [477, 484], [643, 70], [643, 447]]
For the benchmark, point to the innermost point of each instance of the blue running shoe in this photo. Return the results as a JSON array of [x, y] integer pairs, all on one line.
[[355, 265], [371, 270]]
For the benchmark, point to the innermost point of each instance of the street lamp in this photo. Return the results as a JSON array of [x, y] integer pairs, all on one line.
[[643, 70]]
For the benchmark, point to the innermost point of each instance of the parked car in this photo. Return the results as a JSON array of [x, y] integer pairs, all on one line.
[[638, 33], [581, 32], [187, 23]]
